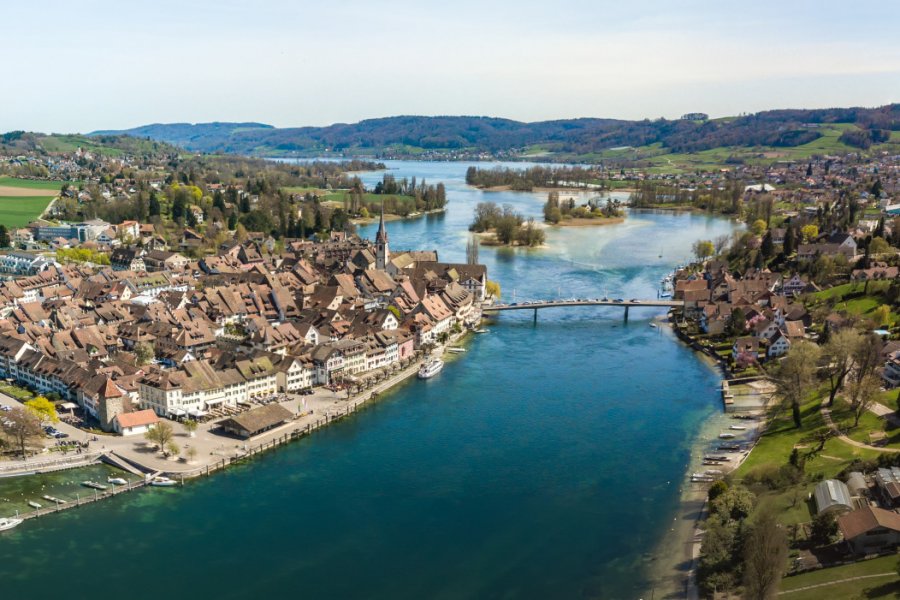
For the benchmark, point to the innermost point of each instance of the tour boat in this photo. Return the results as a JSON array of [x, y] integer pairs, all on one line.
[[93, 484], [8, 523], [116, 481], [430, 369], [33, 504], [726, 436], [163, 482]]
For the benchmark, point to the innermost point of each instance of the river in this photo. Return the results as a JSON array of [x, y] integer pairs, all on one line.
[[547, 462]]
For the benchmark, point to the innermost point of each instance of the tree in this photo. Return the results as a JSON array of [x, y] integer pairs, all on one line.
[[758, 227], [717, 489], [190, 454], [789, 241], [161, 435], [824, 529], [4, 237], [154, 209], [190, 426], [878, 245], [765, 553], [703, 249], [838, 353], [20, 425], [492, 289], [862, 394], [735, 503], [768, 246], [809, 233], [171, 449], [43, 409], [796, 375], [144, 353], [881, 315], [720, 242]]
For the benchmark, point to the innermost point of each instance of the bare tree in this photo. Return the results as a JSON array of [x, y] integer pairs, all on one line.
[[20, 425], [720, 242], [867, 356], [765, 554], [839, 353], [862, 395], [796, 375]]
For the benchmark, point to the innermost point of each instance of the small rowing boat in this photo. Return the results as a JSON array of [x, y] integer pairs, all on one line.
[[738, 428], [456, 349], [726, 436], [34, 504], [54, 499], [94, 485]]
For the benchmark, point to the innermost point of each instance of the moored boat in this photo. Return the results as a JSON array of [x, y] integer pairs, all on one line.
[[729, 447], [456, 349], [94, 485], [7, 523], [163, 482], [116, 481], [431, 368], [726, 436], [34, 504], [54, 499], [738, 428]]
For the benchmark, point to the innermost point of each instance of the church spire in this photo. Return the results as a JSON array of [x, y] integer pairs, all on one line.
[[382, 253], [381, 236]]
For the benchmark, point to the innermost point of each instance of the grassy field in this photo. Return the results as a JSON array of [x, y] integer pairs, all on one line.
[[342, 197], [19, 210], [31, 184], [876, 587], [862, 306]]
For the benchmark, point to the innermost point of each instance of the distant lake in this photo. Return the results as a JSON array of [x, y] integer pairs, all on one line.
[[546, 462]]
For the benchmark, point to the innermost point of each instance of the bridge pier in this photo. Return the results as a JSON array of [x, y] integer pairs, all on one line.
[[535, 316], [626, 313]]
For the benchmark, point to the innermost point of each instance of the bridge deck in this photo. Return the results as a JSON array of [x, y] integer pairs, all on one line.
[[658, 303]]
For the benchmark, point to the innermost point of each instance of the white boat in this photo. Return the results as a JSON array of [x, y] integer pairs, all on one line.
[[8, 523], [726, 436], [456, 349], [94, 485], [54, 499], [163, 482], [116, 481], [738, 428], [431, 368], [482, 330], [34, 504], [712, 472], [701, 478], [652, 324]]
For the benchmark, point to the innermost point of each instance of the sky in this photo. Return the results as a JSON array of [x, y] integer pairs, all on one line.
[[100, 64]]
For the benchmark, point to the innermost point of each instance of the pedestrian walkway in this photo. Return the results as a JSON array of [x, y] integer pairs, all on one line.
[[826, 414], [827, 583]]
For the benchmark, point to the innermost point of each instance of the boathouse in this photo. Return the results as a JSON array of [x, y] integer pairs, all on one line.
[[257, 420]]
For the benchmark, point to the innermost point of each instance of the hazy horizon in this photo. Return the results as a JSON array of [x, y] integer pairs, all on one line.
[[103, 65]]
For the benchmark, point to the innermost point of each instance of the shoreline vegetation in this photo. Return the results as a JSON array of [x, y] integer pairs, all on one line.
[[537, 179], [508, 226], [562, 211]]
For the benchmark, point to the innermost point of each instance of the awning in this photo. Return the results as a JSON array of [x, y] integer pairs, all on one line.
[[68, 406], [214, 402], [177, 412], [196, 413]]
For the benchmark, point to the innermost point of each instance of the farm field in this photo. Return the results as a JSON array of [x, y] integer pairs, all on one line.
[[23, 200]]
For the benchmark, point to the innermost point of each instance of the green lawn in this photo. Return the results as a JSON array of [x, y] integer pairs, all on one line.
[[18, 211], [31, 184], [15, 391], [880, 587]]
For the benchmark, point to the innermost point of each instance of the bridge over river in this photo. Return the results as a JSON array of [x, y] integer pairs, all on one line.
[[626, 304]]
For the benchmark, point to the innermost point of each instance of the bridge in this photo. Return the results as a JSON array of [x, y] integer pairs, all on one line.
[[626, 304]]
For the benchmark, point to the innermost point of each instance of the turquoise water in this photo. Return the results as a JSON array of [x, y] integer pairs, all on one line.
[[544, 463]]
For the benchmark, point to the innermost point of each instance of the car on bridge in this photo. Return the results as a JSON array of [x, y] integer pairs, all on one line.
[[619, 300], [635, 301]]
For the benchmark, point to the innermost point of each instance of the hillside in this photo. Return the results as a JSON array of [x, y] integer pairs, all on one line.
[[104, 144], [588, 138]]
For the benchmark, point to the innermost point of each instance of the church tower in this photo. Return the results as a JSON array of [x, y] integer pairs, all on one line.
[[382, 252]]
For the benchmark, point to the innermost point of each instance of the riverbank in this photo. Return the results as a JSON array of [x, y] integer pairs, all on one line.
[[222, 452], [672, 570], [391, 217]]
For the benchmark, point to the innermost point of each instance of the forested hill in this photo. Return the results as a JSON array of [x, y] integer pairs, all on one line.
[[412, 134]]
